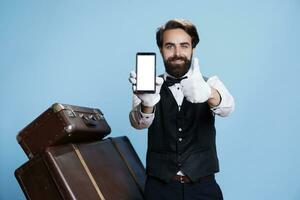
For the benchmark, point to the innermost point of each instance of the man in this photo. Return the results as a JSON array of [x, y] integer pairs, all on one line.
[[181, 156]]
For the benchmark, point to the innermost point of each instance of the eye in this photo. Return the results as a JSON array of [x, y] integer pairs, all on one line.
[[185, 46], [169, 46]]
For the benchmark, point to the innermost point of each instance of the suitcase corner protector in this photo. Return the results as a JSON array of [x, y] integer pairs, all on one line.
[[19, 138], [57, 107]]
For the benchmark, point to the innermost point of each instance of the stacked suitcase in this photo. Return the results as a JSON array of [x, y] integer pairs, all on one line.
[[69, 159]]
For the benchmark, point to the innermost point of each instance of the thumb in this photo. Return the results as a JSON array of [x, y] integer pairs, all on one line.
[[159, 81], [195, 66]]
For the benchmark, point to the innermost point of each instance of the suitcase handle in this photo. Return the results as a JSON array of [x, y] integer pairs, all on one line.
[[89, 121]]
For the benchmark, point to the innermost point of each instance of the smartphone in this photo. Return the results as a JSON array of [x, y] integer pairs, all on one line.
[[145, 72]]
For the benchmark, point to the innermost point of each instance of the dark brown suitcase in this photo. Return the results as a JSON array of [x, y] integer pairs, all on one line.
[[109, 169], [61, 124]]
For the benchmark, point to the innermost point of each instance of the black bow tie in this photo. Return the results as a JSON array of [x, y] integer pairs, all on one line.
[[171, 81]]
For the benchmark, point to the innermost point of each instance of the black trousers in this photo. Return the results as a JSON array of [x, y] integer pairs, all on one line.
[[207, 189]]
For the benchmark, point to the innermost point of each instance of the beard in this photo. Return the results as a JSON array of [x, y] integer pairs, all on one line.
[[180, 69]]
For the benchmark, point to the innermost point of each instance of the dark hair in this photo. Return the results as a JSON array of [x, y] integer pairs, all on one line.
[[187, 26]]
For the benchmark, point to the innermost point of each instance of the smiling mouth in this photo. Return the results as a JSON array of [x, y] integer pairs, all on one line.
[[178, 61]]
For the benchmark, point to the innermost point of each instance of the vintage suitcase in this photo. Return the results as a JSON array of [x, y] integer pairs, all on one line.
[[109, 169], [61, 124]]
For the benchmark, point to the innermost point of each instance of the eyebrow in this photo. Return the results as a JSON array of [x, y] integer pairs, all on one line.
[[169, 43], [185, 43], [182, 43]]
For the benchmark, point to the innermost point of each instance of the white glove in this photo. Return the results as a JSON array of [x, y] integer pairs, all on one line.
[[194, 88], [147, 99]]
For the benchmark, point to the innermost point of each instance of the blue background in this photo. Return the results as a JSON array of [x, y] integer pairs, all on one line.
[[81, 52]]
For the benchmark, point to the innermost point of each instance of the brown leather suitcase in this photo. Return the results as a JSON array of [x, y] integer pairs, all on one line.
[[61, 124], [109, 169]]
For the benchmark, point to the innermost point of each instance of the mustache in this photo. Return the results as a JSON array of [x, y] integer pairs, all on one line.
[[177, 58]]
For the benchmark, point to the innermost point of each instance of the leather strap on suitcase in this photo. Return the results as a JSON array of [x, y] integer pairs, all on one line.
[[87, 170]]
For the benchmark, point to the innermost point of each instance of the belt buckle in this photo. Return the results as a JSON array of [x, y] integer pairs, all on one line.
[[181, 179]]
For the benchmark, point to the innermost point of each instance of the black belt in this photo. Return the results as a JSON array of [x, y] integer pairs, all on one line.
[[186, 179]]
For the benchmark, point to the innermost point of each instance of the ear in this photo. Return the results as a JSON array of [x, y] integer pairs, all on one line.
[[160, 50]]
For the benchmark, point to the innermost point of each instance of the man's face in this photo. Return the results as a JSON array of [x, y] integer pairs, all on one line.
[[177, 52]]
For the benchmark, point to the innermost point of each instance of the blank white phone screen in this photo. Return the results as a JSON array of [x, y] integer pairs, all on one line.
[[145, 72]]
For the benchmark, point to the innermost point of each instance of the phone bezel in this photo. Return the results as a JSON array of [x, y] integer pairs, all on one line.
[[136, 70]]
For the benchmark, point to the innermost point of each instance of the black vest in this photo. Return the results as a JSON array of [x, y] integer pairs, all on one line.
[[181, 140]]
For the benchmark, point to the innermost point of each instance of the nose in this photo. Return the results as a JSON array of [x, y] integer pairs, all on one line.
[[177, 51]]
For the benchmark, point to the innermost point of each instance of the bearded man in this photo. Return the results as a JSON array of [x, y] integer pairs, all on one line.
[[180, 116]]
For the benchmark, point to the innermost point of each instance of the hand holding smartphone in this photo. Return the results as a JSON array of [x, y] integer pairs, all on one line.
[[145, 72]]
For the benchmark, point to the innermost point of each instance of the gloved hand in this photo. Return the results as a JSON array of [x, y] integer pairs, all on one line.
[[149, 100], [195, 88]]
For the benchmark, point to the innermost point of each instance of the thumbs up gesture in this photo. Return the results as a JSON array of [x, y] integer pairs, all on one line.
[[194, 88]]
